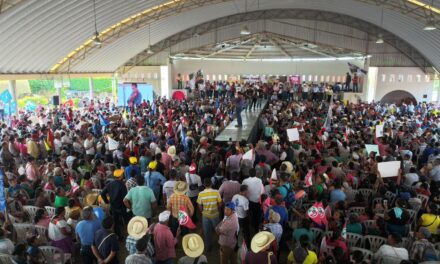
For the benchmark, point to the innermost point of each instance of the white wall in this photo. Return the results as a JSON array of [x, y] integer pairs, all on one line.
[[321, 68], [410, 79], [147, 74]]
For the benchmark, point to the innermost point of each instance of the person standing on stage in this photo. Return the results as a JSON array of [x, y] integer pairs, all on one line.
[[239, 102]]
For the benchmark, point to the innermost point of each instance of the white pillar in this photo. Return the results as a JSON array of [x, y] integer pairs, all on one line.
[[12, 86], [114, 85], [91, 88]]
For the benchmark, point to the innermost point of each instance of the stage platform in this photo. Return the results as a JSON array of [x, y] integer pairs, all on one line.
[[250, 126]]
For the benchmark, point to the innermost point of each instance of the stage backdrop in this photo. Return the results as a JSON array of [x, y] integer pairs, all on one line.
[[134, 93]]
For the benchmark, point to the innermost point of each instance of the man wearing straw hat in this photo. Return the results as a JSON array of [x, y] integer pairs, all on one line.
[[260, 249], [193, 247], [178, 199], [137, 228]]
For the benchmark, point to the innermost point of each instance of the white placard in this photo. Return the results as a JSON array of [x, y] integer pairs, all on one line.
[[379, 131], [112, 144], [248, 155], [293, 134], [370, 148], [389, 168]]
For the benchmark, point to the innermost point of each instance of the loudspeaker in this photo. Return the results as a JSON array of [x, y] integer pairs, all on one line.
[[56, 100]]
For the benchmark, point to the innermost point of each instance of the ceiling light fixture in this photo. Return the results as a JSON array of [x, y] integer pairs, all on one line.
[[245, 31], [379, 39], [96, 40], [430, 24]]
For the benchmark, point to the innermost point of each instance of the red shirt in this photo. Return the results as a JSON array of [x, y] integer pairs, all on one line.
[[164, 242]]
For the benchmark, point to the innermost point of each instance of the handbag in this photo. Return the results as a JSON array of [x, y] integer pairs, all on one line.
[[192, 186]]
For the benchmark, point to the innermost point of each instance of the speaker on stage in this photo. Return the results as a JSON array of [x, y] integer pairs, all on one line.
[[56, 100]]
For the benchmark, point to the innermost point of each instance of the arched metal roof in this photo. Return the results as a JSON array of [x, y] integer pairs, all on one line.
[[35, 35]]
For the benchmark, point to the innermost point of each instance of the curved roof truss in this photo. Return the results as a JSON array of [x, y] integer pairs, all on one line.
[[401, 45]]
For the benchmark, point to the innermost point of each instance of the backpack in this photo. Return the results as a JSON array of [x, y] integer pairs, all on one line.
[[290, 197], [430, 254]]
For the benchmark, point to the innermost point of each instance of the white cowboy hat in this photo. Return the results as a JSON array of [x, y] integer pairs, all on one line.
[[137, 227], [193, 245], [261, 240], [180, 187]]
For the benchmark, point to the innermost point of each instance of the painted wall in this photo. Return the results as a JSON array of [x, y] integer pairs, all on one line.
[[410, 79], [327, 69]]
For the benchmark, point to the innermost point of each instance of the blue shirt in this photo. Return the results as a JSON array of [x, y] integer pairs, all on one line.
[[283, 190], [278, 209], [86, 229], [106, 243], [132, 168], [154, 180], [337, 195]]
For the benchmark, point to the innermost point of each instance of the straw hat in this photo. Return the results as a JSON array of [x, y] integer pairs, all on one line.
[[172, 151], [137, 227], [193, 245], [180, 187], [133, 160], [118, 173], [261, 240], [90, 199]]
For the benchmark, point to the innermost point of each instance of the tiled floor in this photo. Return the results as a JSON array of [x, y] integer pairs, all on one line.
[[249, 121]]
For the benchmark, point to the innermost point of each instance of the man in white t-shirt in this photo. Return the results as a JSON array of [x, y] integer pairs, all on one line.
[[390, 253], [195, 183], [89, 145], [255, 190], [241, 209], [168, 186], [411, 177]]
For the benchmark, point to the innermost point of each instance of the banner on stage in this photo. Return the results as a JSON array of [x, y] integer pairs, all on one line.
[[293, 134], [388, 169]]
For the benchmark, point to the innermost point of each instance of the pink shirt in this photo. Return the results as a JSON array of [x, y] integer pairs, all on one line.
[[166, 160], [228, 229], [164, 242], [32, 172]]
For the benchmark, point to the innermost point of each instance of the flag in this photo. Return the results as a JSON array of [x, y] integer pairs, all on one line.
[[184, 219], [308, 181], [273, 177], [74, 185], [328, 119], [2, 193], [68, 103], [183, 138], [317, 214], [112, 144], [104, 122]]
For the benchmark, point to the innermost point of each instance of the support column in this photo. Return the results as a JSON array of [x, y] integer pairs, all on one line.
[[114, 85], [91, 88], [365, 86], [12, 86]]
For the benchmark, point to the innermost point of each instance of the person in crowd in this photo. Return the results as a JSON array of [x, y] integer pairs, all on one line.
[[178, 200], [261, 249], [41, 218], [274, 225], [105, 245], [137, 229], [6, 245], [397, 218], [255, 190], [391, 252], [60, 232], [304, 230], [209, 203], [140, 255], [242, 210], [230, 188], [85, 231], [154, 179], [227, 235], [164, 241], [431, 219], [422, 249], [168, 186], [193, 247], [140, 200], [117, 191], [302, 253]]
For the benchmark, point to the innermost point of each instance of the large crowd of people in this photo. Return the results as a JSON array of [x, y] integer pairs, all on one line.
[[107, 184]]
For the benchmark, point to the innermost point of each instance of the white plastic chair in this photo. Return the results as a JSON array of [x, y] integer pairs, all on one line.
[[374, 242], [369, 223], [6, 259], [54, 255], [357, 210], [31, 211], [21, 230], [97, 191], [412, 217], [406, 243], [424, 199], [317, 233], [50, 195], [42, 232], [366, 193], [50, 210], [354, 240]]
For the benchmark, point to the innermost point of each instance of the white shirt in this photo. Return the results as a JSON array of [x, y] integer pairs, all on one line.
[[392, 255], [54, 231], [168, 188], [411, 178], [88, 145], [6, 246], [241, 205], [255, 188], [195, 179]]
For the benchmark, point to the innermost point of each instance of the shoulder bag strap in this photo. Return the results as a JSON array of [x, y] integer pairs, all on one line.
[[196, 260], [105, 238]]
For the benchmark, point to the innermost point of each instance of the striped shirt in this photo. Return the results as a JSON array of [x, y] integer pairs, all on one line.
[[210, 200]]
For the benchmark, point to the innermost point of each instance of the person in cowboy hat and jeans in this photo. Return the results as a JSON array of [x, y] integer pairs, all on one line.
[[193, 247]]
